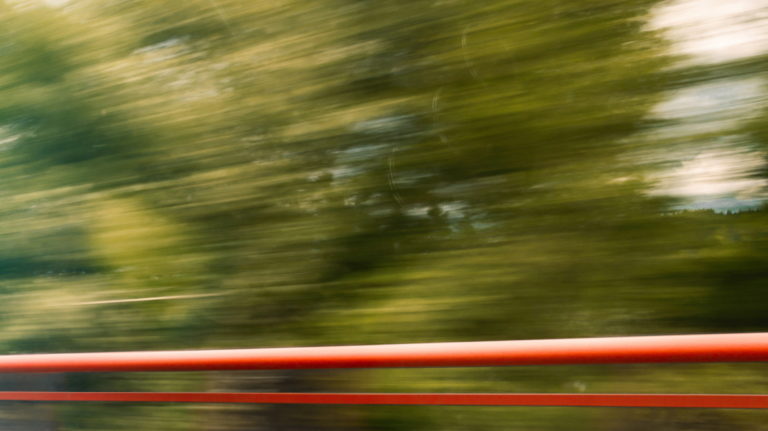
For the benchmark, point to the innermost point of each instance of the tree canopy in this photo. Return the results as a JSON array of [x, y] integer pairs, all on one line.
[[230, 173]]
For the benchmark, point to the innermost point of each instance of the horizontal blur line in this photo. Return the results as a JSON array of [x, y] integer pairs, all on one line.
[[153, 298], [570, 351], [543, 400]]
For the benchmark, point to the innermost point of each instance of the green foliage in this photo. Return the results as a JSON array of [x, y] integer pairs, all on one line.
[[232, 173]]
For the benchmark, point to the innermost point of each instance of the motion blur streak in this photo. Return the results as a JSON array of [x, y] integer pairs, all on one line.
[[224, 174]]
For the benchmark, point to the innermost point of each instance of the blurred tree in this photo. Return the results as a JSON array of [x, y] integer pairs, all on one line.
[[231, 173]]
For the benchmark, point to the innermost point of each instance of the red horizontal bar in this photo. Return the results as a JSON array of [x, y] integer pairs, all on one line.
[[564, 400], [617, 350]]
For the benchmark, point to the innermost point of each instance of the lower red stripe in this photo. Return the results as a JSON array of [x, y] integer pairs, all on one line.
[[575, 400]]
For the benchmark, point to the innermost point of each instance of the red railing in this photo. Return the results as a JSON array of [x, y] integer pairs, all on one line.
[[617, 350]]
